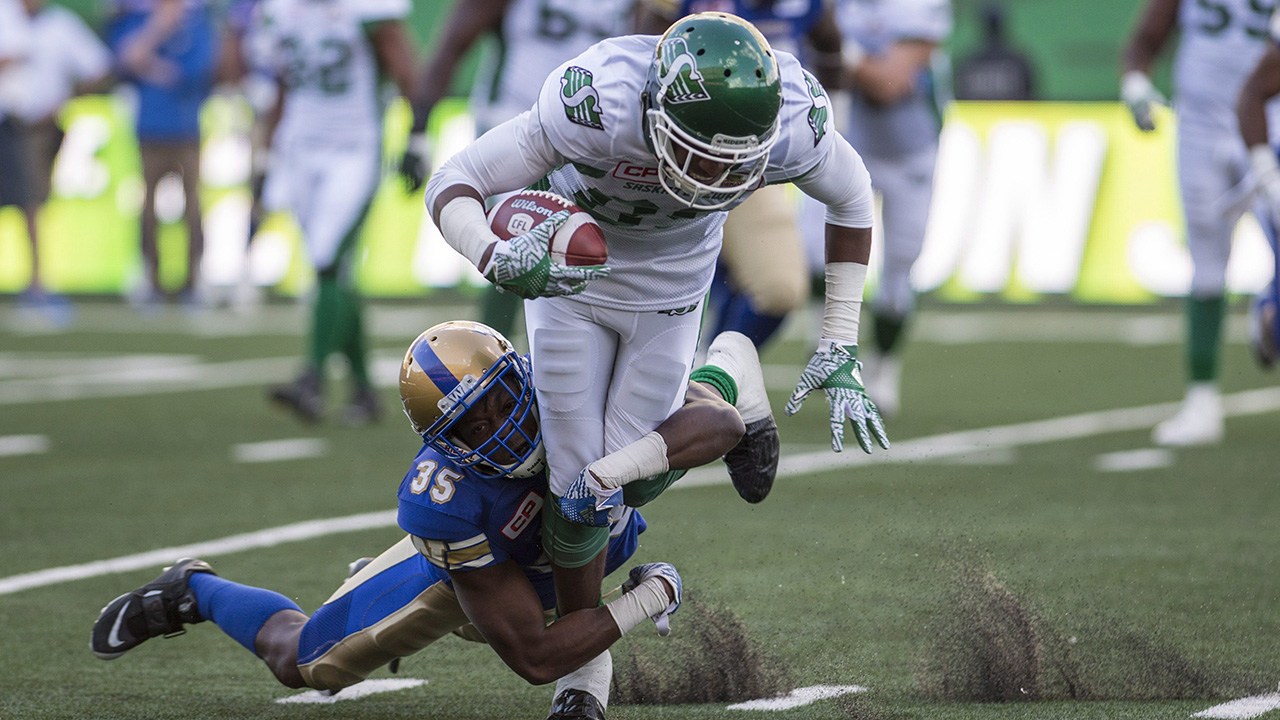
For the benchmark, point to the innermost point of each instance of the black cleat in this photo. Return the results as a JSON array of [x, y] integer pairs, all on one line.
[[302, 397], [574, 704], [161, 607], [753, 462], [365, 408]]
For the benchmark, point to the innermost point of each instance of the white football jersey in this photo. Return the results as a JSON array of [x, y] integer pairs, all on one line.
[[323, 53], [535, 37], [1221, 43], [911, 123], [662, 253]]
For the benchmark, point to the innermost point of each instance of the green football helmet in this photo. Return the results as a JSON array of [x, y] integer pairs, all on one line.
[[711, 107]]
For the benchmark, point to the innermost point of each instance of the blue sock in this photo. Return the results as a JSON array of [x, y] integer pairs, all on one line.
[[739, 315], [239, 610]]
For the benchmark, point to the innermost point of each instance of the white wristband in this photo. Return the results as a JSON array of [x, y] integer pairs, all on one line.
[[466, 229], [851, 55], [840, 315], [643, 458], [643, 602], [1135, 85], [1263, 161]]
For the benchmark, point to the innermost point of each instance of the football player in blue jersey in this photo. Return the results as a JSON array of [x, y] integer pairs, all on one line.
[[1259, 89], [472, 563]]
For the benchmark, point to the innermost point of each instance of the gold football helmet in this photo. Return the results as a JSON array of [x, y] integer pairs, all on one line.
[[460, 365]]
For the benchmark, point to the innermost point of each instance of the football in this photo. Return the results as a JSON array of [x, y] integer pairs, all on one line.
[[578, 242]]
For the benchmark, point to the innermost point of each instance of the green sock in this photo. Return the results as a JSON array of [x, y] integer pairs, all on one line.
[[717, 378], [889, 331], [325, 320], [498, 310], [353, 341], [1204, 332]]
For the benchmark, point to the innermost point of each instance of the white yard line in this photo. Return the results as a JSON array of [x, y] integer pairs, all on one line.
[[935, 447], [355, 692], [1243, 708], [1132, 460], [275, 450], [224, 546], [11, 445], [799, 697]]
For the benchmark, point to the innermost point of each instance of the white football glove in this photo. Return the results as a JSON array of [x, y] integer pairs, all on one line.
[[523, 264], [1137, 92], [835, 369]]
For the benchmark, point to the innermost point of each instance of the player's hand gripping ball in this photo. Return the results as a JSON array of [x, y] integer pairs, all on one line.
[[553, 246]]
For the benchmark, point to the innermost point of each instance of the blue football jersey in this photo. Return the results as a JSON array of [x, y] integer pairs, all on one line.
[[784, 23], [460, 521]]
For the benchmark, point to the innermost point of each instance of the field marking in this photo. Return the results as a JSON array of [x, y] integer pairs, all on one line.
[[355, 692], [11, 445], [1249, 707], [1132, 460], [276, 450], [224, 546], [798, 697], [935, 447]]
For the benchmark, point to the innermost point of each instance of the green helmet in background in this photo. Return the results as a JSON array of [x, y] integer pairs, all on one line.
[[711, 107]]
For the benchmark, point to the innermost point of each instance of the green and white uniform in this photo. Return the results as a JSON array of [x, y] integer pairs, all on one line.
[[612, 362], [327, 150]]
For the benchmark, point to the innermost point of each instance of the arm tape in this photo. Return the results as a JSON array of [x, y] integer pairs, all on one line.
[[465, 228], [840, 315], [643, 458], [643, 602]]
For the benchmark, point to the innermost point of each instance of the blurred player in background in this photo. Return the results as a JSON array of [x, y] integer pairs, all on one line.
[[656, 137], [1259, 89], [761, 275], [15, 46], [473, 505], [167, 49], [1220, 43], [891, 116], [997, 71], [327, 158], [66, 59], [530, 38]]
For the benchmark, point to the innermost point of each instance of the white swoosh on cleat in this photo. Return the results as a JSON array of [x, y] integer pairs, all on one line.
[[114, 638]]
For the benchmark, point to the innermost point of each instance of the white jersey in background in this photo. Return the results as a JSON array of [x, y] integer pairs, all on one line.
[[535, 37], [65, 52], [912, 123], [15, 41], [321, 50], [587, 131], [1220, 45]]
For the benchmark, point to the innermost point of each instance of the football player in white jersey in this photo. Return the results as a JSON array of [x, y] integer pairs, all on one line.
[[1220, 43], [327, 153], [1251, 112], [890, 115], [530, 38], [656, 137]]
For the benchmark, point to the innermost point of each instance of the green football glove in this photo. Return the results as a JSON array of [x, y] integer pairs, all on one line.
[[523, 264], [836, 370]]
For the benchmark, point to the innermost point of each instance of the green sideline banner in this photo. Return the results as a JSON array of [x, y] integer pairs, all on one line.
[[1031, 200]]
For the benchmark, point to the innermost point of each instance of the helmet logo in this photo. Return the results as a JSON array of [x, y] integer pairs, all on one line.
[[681, 82], [459, 392], [581, 101], [818, 111]]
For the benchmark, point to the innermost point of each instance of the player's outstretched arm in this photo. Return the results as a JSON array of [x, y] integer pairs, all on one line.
[[841, 182], [395, 55], [505, 609], [1251, 112], [1155, 27]]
